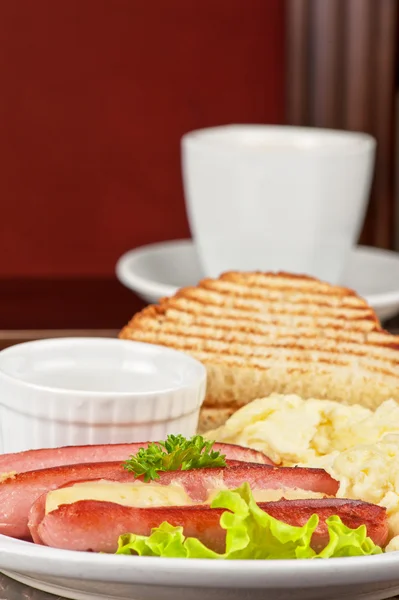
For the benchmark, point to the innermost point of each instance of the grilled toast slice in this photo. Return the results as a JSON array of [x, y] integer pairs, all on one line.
[[259, 333]]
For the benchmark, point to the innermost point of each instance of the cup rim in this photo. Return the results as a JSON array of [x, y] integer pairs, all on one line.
[[194, 378], [323, 141]]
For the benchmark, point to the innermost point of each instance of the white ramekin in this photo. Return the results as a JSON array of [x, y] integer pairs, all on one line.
[[74, 391]]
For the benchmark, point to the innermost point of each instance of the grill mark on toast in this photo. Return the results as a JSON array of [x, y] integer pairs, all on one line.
[[321, 367], [224, 329], [292, 303], [191, 308], [275, 307], [283, 280], [356, 355], [276, 295]]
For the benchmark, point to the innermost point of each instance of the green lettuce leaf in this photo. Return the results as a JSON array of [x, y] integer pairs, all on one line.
[[251, 534]]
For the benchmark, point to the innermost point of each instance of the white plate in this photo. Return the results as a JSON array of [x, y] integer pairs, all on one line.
[[86, 576], [158, 270]]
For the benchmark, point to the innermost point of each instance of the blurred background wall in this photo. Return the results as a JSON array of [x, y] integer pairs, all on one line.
[[341, 68], [397, 174], [95, 97]]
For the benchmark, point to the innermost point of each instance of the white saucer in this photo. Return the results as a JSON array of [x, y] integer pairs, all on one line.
[[158, 270]]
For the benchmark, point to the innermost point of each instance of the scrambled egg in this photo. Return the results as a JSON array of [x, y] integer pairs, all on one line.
[[357, 446]]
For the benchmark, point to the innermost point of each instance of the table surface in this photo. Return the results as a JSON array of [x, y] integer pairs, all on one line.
[[9, 589], [12, 590]]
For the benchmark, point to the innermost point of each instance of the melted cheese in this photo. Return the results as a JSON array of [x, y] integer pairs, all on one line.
[[141, 495], [146, 495], [5, 476]]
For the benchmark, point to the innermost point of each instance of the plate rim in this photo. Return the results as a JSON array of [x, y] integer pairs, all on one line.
[[205, 573], [150, 287]]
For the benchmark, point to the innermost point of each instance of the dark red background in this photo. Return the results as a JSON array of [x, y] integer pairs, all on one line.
[[95, 95]]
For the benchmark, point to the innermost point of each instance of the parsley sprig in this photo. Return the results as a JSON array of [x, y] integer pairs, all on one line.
[[174, 454]]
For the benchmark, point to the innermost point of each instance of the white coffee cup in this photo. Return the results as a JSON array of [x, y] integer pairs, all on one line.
[[276, 198]]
